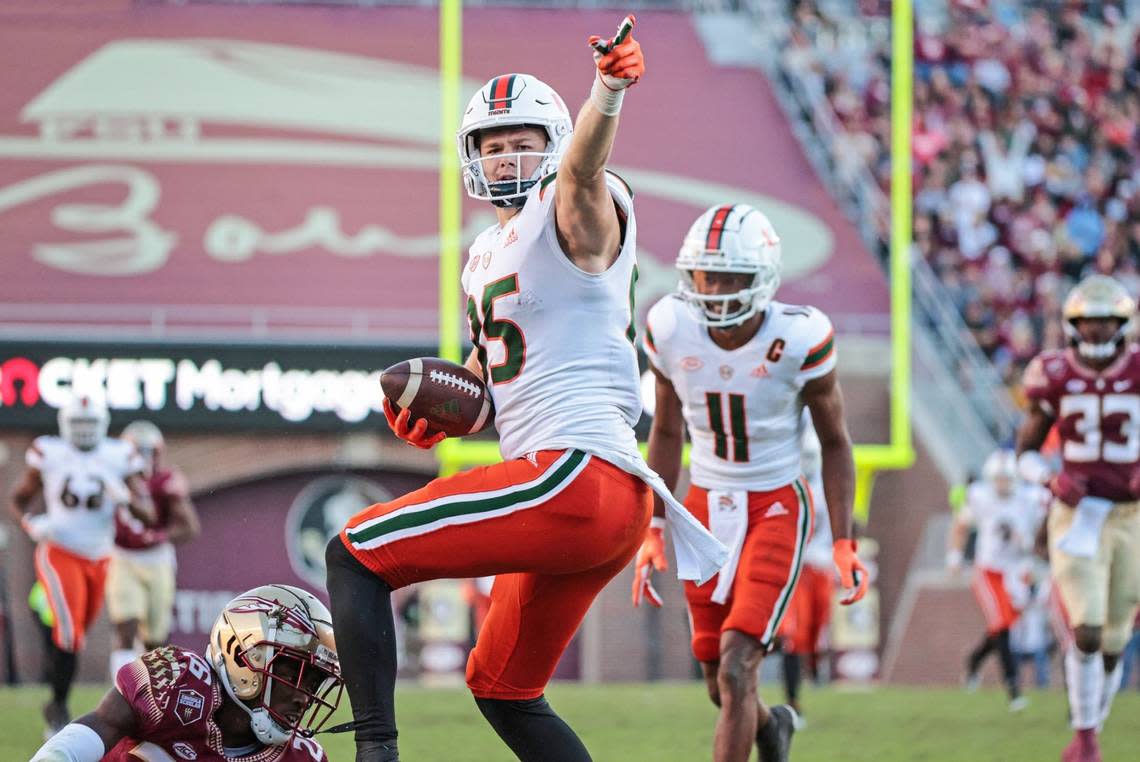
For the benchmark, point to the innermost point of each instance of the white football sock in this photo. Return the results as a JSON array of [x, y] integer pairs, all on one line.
[[1111, 686], [121, 657], [1085, 676]]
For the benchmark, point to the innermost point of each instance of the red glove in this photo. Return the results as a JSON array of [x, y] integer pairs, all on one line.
[[415, 436], [852, 573], [619, 58], [651, 556]]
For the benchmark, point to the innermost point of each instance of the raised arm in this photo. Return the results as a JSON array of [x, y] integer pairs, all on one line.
[[587, 221]]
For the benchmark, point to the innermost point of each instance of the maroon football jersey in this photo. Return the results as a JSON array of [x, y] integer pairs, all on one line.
[[130, 533], [174, 693], [1097, 417]]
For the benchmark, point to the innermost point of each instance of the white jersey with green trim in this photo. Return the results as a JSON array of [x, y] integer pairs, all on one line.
[[742, 407], [82, 489], [557, 344]]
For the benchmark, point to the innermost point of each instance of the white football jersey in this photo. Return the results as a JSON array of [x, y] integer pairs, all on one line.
[[81, 490], [742, 407], [557, 343], [1006, 525]]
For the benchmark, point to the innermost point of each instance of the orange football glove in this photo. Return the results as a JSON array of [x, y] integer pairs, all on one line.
[[619, 60], [852, 573], [651, 556], [415, 436]]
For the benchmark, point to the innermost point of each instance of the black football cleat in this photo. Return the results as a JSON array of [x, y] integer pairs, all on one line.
[[774, 740]]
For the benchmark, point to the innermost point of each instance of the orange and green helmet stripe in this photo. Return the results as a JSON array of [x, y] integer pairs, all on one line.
[[716, 227], [502, 92]]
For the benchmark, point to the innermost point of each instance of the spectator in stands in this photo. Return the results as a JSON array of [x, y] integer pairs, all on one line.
[[1025, 150]]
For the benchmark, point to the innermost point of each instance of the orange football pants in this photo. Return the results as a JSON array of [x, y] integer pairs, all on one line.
[[779, 524], [74, 588], [555, 527], [989, 589], [810, 611]]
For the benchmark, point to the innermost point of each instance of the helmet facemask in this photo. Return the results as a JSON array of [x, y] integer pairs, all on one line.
[[287, 672], [728, 310], [506, 193], [1098, 351]]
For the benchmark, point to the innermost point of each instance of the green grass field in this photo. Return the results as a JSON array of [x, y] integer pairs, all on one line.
[[672, 722]]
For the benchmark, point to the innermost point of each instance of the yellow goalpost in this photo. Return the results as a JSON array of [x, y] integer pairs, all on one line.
[[454, 454]]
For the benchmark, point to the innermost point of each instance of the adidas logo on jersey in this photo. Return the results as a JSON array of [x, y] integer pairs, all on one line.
[[512, 237], [760, 371], [776, 509]]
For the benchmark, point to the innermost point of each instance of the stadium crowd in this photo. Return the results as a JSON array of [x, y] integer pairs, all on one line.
[[1025, 166]]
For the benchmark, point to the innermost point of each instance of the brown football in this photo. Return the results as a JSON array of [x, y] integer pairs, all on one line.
[[449, 396]]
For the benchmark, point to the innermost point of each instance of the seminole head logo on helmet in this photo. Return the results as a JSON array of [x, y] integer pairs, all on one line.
[[273, 650], [734, 238], [505, 102], [1102, 299]]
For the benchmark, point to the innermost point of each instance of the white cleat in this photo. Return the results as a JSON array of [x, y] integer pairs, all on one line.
[[1018, 704]]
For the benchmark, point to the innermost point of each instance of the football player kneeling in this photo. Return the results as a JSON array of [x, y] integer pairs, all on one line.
[[269, 680]]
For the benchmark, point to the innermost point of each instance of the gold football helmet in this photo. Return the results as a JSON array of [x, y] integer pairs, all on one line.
[[1098, 296], [273, 650]]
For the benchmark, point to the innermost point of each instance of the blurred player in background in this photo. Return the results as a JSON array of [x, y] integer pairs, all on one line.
[[801, 633], [549, 300], [140, 577], [270, 679], [1091, 393], [1006, 514], [84, 477], [738, 369]]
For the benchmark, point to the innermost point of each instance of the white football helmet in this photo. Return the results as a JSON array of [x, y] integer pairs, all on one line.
[[277, 637], [1000, 470], [1098, 296], [733, 238], [512, 100], [83, 421]]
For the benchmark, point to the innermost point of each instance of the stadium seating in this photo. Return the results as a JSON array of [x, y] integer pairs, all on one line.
[[1021, 187]]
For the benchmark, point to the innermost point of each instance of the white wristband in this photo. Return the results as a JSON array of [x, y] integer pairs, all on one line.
[[953, 558], [657, 522], [606, 100], [75, 743]]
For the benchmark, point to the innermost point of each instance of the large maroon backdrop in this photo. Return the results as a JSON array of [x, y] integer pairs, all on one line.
[[272, 171]]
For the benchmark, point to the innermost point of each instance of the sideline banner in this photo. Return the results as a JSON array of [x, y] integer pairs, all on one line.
[[200, 386]]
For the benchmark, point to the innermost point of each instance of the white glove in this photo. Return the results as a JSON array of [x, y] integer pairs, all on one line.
[[954, 560], [1083, 538], [38, 527], [1032, 467]]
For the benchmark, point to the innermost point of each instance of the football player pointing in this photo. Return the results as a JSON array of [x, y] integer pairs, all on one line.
[[1091, 392], [268, 682], [738, 369], [549, 305]]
